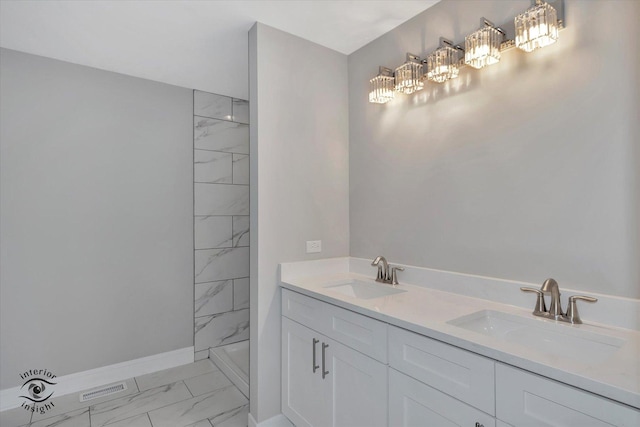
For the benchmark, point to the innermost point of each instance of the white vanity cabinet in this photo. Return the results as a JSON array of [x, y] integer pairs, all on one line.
[[327, 383], [341, 368], [529, 400]]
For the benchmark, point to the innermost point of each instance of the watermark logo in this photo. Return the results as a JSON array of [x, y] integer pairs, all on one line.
[[37, 389]]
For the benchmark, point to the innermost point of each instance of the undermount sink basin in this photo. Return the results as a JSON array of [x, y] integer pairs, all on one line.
[[544, 336], [363, 290]]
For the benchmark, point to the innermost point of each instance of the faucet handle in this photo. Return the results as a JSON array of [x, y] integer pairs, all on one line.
[[572, 311], [394, 275], [540, 305]]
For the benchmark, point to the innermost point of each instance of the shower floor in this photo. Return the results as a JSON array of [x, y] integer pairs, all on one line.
[[233, 360]]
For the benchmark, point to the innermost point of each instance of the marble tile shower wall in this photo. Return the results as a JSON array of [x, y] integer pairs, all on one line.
[[221, 223]]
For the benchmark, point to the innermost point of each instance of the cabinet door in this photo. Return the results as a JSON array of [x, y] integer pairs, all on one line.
[[303, 391], [414, 404], [357, 388], [528, 400]]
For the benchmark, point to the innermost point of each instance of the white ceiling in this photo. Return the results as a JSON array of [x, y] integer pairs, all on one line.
[[195, 44]]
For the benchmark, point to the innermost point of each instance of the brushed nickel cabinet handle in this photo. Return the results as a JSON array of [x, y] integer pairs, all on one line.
[[324, 371], [315, 367]]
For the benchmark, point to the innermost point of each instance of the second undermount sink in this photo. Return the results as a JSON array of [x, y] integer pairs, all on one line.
[[544, 336], [363, 290]]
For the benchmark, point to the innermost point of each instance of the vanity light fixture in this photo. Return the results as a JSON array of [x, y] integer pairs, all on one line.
[[409, 75], [482, 47], [536, 27], [444, 63], [382, 87]]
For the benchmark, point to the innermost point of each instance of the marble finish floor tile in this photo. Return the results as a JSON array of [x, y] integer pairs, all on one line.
[[172, 375], [217, 403], [238, 417], [127, 407], [141, 420], [198, 408], [79, 418], [203, 423], [71, 402], [207, 383], [15, 417]]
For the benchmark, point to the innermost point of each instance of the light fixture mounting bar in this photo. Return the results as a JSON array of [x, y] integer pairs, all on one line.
[[384, 71]]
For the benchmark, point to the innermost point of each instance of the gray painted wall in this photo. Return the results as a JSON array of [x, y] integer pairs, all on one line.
[[96, 217], [299, 181], [524, 170]]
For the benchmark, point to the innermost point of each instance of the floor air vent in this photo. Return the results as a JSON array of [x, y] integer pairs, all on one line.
[[103, 391]]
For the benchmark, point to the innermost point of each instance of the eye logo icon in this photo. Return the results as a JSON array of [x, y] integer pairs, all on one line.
[[37, 389]]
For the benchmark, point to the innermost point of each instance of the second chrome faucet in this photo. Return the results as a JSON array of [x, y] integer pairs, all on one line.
[[550, 287], [386, 273]]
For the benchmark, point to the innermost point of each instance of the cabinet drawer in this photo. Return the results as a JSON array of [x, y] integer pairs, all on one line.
[[413, 404], [456, 372], [367, 335], [525, 399], [362, 333], [302, 309]]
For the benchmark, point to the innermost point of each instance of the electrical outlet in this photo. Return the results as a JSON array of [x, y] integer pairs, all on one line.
[[314, 246]]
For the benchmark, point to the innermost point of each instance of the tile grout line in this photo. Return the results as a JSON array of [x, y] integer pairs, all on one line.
[[221, 151], [209, 394], [159, 407], [222, 120], [221, 247], [188, 389], [193, 193], [221, 183]]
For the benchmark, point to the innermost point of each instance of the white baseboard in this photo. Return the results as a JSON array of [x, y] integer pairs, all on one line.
[[80, 381], [277, 421]]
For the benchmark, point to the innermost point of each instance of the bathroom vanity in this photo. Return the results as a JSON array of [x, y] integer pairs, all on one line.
[[356, 352]]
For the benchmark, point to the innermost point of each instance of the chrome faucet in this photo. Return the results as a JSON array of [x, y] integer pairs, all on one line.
[[386, 273], [555, 312]]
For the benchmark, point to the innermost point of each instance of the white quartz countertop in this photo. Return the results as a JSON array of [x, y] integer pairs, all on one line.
[[426, 311]]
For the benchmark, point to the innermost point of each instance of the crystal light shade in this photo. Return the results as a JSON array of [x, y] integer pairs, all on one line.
[[443, 64], [382, 87], [409, 75], [537, 27], [482, 48]]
